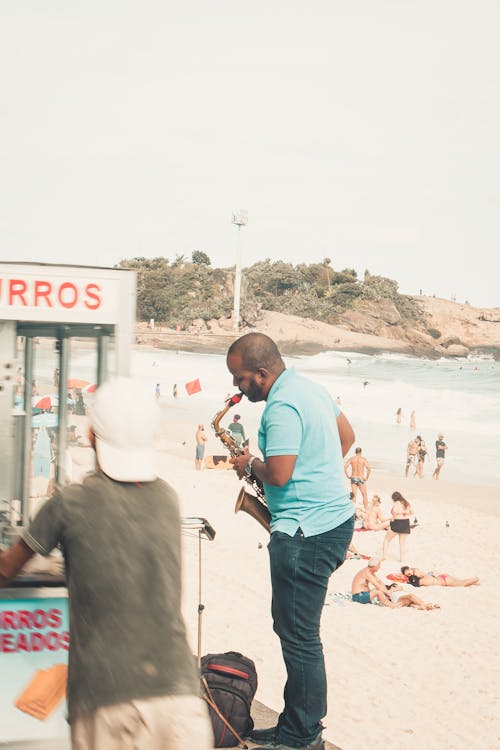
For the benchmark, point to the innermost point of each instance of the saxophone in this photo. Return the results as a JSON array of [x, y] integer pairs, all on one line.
[[255, 506]]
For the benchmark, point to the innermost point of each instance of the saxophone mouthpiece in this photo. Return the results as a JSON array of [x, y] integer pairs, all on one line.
[[235, 399]]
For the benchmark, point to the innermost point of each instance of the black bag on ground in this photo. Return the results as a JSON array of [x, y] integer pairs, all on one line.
[[232, 682]]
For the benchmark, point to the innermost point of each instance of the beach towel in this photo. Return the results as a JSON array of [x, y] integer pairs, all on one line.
[[399, 577], [340, 598]]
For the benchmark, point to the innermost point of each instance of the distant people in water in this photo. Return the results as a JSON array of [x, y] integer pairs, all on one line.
[[357, 469], [441, 448], [412, 420], [418, 577], [399, 415]]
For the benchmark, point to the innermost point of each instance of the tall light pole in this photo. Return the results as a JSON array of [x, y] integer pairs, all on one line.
[[240, 219]]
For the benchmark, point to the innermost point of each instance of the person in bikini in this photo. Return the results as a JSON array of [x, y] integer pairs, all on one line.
[[357, 469], [400, 598], [367, 586], [374, 520], [417, 577]]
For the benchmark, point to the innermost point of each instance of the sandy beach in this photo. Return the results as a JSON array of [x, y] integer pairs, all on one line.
[[400, 679]]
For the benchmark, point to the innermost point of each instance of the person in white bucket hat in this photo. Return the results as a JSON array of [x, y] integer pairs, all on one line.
[[132, 679]]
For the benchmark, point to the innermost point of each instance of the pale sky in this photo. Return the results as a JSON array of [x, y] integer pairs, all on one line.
[[366, 131]]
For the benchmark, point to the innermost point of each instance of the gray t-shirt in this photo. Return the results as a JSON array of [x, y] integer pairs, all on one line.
[[121, 544]]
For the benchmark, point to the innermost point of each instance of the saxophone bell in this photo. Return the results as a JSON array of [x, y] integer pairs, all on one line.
[[255, 508]]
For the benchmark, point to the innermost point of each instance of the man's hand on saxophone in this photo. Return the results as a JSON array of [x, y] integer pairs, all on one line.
[[240, 463]]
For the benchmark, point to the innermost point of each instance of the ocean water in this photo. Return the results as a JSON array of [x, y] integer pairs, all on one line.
[[459, 398]]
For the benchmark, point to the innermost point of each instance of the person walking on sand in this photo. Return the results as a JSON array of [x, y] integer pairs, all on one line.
[[132, 680], [418, 578], [400, 524], [441, 447], [357, 469], [412, 420], [367, 586], [201, 439], [399, 415], [237, 431], [412, 456], [157, 391], [374, 520], [303, 437]]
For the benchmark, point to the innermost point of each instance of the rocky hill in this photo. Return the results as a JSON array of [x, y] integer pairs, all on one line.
[[450, 329]]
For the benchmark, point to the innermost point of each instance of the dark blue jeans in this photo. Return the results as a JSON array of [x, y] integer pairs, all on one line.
[[300, 570]]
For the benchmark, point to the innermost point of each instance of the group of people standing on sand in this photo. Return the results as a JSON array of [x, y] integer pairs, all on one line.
[[416, 453]]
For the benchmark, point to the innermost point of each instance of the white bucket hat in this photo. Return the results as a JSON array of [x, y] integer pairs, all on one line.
[[125, 418]]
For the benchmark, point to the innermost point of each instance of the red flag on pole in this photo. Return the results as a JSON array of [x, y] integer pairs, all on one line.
[[193, 387]]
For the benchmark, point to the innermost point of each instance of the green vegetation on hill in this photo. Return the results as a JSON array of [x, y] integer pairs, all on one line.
[[180, 291]]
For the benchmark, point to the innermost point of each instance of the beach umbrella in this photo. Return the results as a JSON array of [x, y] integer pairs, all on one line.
[[44, 402], [77, 383], [90, 388]]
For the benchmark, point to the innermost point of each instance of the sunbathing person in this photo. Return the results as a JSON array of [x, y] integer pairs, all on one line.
[[418, 578], [374, 520], [401, 598], [367, 586]]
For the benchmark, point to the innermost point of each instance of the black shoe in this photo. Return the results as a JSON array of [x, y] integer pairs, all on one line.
[[316, 744], [263, 736]]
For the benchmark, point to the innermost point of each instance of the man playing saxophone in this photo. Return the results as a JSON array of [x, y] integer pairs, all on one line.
[[303, 437]]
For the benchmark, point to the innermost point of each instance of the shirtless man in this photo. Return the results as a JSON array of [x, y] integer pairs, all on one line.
[[201, 439], [374, 520], [441, 447], [419, 578], [367, 586], [357, 469], [412, 455]]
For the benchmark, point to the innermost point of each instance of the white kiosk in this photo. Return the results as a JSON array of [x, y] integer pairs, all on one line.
[[63, 330]]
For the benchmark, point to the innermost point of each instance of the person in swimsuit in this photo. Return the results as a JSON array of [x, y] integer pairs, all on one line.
[[374, 520], [400, 598], [419, 578], [201, 439], [357, 469], [367, 586], [412, 455], [399, 525]]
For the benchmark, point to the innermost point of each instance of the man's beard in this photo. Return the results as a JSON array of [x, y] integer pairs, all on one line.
[[254, 393]]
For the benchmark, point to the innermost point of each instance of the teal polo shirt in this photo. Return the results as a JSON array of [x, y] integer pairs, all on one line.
[[300, 419]]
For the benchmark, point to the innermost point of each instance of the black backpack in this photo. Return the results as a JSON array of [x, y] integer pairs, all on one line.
[[229, 681]]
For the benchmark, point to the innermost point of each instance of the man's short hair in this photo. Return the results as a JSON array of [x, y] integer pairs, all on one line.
[[257, 350], [358, 450], [373, 562]]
